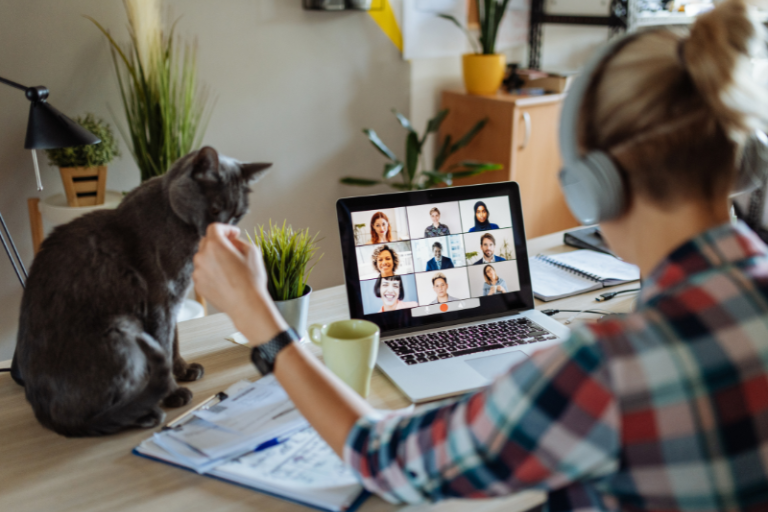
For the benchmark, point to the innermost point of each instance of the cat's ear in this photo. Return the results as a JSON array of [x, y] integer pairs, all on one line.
[[205, 167], [253, 172]]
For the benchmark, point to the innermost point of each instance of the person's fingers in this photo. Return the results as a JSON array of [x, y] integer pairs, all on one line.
[[241, 245]]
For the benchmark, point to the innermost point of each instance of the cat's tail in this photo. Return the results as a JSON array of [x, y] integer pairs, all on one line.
[[137, 408]]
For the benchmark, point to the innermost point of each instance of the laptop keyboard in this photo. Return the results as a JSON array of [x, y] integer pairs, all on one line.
[[468, 340]]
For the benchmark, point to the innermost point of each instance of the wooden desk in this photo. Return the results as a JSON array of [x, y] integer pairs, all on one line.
[[42, 471]]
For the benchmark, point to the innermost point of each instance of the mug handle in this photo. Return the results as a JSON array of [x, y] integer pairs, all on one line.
[[315, 333]]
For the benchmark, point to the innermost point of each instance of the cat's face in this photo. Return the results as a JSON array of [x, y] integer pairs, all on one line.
[[205, 188]]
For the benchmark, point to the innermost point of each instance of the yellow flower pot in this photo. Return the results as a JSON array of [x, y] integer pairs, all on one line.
[[483, 74]]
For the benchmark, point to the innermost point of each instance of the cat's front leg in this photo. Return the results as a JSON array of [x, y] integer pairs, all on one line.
[[183, 371]]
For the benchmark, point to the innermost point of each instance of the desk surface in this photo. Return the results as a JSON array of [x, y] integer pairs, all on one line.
[[40, 470]]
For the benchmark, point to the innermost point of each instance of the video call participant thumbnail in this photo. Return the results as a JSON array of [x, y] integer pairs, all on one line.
[[488, 247], [481, 218], [436, 228], [392, 292], [440, 287], [493, 282], [380, 229], [385, 261], [439, 261]]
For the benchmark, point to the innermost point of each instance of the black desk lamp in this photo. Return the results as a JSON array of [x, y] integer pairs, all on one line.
[[47, 129]]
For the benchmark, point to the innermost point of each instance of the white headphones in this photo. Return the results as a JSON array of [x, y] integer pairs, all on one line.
[[592, 184]]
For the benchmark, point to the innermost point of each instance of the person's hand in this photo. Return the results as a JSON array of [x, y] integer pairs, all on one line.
[[230, 274]]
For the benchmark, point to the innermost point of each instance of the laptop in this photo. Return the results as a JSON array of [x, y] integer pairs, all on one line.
[[444, 274]]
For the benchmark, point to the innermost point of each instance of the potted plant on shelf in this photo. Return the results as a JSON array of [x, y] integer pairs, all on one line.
[[287, 255], [166, 109], [483, 70], [84, 168], [412, 177]]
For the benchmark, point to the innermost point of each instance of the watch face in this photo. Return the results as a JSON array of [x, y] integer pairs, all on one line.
[[263, 366]]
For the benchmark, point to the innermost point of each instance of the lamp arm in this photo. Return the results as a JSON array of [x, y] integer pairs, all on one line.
[[13, 84]]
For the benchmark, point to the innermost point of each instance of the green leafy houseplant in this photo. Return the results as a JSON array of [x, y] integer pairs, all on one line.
[[166, 110], [489, 14], [90, 155], [287, 254], [413, 178]]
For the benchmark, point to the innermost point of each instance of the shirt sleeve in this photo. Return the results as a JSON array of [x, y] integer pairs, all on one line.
[[548, 422]]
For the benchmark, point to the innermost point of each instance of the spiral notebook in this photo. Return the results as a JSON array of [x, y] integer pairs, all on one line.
[[562, 275]]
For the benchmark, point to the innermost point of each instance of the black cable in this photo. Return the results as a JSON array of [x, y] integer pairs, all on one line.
[[609, 295]]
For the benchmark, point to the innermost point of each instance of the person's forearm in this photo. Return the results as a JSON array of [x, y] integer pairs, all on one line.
[[329, 405]]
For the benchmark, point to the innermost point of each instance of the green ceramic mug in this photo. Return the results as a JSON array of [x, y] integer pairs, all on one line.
[[350, 348]]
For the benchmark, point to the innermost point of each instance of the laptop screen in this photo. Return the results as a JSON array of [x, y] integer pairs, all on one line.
[[432, 258]]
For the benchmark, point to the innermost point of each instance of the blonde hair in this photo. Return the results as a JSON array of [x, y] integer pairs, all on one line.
[[675, 113], [437, 276]]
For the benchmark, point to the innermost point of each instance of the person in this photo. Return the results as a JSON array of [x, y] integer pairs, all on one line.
[[663, 408], [436, 229], [380, 229], [440, 286], [481, 219], [392, 292], [439, 262], [487, 246], [493, 283], [385, 260]]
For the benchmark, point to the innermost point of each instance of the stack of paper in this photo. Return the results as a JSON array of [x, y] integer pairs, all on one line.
[[258, 439]]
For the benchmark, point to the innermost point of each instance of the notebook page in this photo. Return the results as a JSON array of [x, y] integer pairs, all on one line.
[[604, 266], [550, 282]]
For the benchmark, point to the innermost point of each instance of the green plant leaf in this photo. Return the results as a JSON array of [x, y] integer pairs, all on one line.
[[481, 166], [442, 153], [378, 144], [413, 149], [393, 169], [467, 138], [434, 124], [404, 121], [359, 181], [472, 41]]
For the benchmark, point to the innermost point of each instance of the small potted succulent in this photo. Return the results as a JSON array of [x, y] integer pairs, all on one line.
[[287, 255], [84, 168], [484, 69]]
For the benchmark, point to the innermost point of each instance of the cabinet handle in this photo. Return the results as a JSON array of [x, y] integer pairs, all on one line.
[[527, 119]]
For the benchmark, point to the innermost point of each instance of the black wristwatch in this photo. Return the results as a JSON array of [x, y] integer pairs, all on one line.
[[263, 356]]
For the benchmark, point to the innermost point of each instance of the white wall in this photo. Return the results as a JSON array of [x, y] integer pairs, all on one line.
[[292, 87]]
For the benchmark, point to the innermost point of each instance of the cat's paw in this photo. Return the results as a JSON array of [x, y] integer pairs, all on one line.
[[178, 398], [193, 371], [153, 418]]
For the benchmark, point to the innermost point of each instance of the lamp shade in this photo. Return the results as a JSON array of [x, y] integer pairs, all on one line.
[[48, 128]]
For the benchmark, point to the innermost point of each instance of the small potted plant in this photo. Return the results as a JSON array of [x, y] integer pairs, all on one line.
[[287, 255], [411, 175], [484, 69], [84, 168]]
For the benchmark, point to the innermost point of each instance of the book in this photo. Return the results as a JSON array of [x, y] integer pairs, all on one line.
[[302, 469], [562, 275], [255, 437]]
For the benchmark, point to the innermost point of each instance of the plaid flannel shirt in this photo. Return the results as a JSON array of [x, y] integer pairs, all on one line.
[[662, 409]]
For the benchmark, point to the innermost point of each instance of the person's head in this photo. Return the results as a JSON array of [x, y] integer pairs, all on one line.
[[440, 284], [673, 113], [385, 260], [489, 274], [487, 244], [380, 231], [435, 214], [389, 290], [437, 249], [481, 213]]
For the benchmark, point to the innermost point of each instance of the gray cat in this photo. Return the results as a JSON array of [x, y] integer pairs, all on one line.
[[97, 346]]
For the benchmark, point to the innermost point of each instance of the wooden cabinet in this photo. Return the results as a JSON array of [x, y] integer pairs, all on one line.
[[521, 134]]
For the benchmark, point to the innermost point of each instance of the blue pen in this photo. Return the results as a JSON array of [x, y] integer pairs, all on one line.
[[272, 442]]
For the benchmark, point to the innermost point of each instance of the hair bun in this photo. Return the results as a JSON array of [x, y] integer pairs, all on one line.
[[717, 56]]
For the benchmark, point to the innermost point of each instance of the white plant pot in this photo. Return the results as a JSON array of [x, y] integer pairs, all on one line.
[[295, 312], [57, 211]]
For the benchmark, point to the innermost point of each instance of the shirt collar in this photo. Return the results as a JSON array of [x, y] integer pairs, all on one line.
[[717, 247]]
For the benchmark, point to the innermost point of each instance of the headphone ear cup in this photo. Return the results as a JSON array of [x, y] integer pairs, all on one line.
[[593, 188], [753, 167]]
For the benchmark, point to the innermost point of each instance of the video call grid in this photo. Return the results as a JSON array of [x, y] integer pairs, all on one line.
[[408, 242]]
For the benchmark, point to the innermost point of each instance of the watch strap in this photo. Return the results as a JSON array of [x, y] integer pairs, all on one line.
[[264, 355]]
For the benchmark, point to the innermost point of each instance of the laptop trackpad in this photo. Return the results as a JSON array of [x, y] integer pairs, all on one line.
[[492, 366]]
